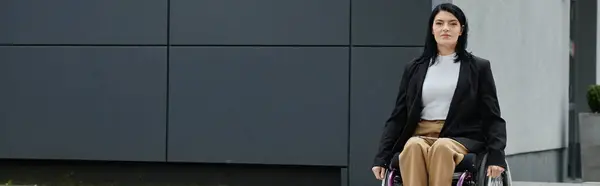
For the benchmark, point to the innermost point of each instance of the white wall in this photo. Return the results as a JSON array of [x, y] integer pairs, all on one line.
[[527, 42]]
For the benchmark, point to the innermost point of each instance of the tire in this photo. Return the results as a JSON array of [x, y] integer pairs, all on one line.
[[505, 179]]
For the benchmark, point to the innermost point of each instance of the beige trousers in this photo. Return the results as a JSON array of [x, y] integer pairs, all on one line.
[[429, 160]]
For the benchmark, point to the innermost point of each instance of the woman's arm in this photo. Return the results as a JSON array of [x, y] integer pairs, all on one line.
[[395, 123], [493, 124]]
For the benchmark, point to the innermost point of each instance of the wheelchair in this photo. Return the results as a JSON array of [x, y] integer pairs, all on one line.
[[469, 172]]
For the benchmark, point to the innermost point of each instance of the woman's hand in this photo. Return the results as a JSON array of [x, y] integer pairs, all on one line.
[[494, 171], [379, 172]]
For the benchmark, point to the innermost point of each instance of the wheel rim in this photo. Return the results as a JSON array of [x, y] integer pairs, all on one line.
[[390, 178], [462, 178]]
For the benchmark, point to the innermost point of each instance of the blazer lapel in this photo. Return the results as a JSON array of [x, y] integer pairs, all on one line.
[[461, 87], [416, 103], [420, 75]]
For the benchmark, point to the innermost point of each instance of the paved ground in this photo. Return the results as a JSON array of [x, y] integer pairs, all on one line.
[[522, 183]]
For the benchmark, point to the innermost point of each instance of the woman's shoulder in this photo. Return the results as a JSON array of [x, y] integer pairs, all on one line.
[[411, 64], [480, 62]]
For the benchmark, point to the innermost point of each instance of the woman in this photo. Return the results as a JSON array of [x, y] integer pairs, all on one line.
[[446, 107]]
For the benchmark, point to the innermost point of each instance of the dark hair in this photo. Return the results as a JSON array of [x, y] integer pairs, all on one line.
[[430, 51]]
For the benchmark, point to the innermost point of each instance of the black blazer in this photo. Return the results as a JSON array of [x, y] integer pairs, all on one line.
[[473, 119]]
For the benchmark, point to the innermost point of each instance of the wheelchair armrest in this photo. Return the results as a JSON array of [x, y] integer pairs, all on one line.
[[469, 163]]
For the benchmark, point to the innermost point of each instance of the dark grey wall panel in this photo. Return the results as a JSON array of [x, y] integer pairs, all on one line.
[[84, 22], [93, 103], [526, 166], [435, 3], [384, 22], [267, 105], [376, 74], [265, 22]]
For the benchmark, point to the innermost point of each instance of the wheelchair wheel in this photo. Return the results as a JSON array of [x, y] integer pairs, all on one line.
[[482, 180], [504, 180], [391, 178], [465, 179]]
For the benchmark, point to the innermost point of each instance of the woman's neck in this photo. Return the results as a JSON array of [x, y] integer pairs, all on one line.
[[445, 50]]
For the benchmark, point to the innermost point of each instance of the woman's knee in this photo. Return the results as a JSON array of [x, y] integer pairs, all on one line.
[[413, 144], [413, 147], [443, 145]]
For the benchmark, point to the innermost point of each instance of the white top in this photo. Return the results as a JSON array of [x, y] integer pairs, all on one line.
[[438, 88]]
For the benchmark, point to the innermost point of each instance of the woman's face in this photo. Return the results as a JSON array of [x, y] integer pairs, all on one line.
[[446, 29]]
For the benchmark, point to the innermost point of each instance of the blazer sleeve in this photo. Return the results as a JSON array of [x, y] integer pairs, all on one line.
[[494, 125], [394, 124]]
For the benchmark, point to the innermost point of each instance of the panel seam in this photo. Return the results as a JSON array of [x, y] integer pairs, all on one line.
[[349, 110], [167, 95]]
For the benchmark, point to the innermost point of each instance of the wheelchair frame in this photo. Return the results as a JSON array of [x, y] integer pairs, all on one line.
[[478, 178]]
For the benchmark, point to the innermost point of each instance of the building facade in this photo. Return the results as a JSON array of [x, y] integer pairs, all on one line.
[[240, 90]]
